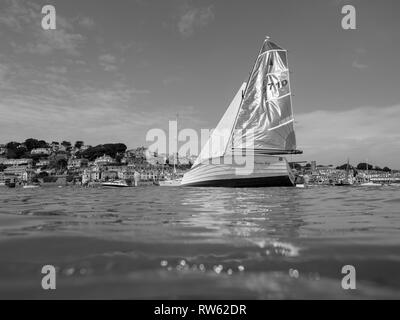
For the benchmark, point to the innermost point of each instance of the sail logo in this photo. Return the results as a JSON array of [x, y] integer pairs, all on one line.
[[275, 86], [278, 85]]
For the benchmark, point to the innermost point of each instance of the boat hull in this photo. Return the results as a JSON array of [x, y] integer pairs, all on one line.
[[170, 183], [267, 171], [114, 186]]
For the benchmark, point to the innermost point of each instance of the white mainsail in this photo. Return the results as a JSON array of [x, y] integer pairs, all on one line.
[[265, 119], [220, 136]]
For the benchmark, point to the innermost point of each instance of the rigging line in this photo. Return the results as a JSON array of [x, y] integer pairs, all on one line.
[[244, 94]]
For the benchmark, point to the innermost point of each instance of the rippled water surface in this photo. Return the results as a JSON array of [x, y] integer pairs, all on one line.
[[154, 242]]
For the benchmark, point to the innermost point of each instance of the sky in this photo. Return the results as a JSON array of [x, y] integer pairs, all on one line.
[[113, 70]]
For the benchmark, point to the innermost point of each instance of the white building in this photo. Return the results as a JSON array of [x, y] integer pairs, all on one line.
[[104, 161], [16, 162], [43, 151], [77, 163]]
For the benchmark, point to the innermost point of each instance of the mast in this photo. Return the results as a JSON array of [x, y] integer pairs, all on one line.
[[177, 136], [243, 94]]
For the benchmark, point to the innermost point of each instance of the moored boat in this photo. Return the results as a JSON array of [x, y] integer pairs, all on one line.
[[370, 184], [30, 186], [246, 148], [116, 184], [170, 183]]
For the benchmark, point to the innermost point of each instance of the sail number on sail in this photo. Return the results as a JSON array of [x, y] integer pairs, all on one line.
[[278, 85]]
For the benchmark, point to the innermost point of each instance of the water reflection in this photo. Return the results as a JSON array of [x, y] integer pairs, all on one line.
[[200, 242]]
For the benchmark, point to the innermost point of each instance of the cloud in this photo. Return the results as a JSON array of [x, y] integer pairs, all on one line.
[[57, 69], [3, 72], [25, 17], [172, 80], [55, 40], [195, 18], [108, 62], [359, 54], [17, 15], [368, 132], [54, 107], [86, 22], [358, 65]]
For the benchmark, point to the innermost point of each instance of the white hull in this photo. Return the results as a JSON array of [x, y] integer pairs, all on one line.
[[170, 183], [264, 171], [115, 184], [370, 184], [30, 187]]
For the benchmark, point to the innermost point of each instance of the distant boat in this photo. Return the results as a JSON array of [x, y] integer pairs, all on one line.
[[175, 181], [116, 184], [30, 186], [369, 183], [346, 182], [256, 129], [170, 183]]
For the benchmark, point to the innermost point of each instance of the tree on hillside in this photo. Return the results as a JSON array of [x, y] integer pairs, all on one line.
[[386, 169], [112, 149], [31, 144], [344, 167], [42, 174], [363, 166], [66, 144], [79, 144], [15, 150]]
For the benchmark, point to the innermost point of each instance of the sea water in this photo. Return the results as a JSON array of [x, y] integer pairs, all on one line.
[[211, 243]]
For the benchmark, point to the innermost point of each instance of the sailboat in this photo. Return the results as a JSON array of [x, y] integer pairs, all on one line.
[[246, 148], [369, 183], [346, 181], [175, 180]]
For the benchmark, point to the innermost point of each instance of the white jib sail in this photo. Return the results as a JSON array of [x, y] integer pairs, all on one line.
[[220, 136]]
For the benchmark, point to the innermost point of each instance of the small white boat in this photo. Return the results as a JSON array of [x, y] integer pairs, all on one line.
[[370, 184], [115, 184], [30, 186], [300, 185], [170, 183]]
